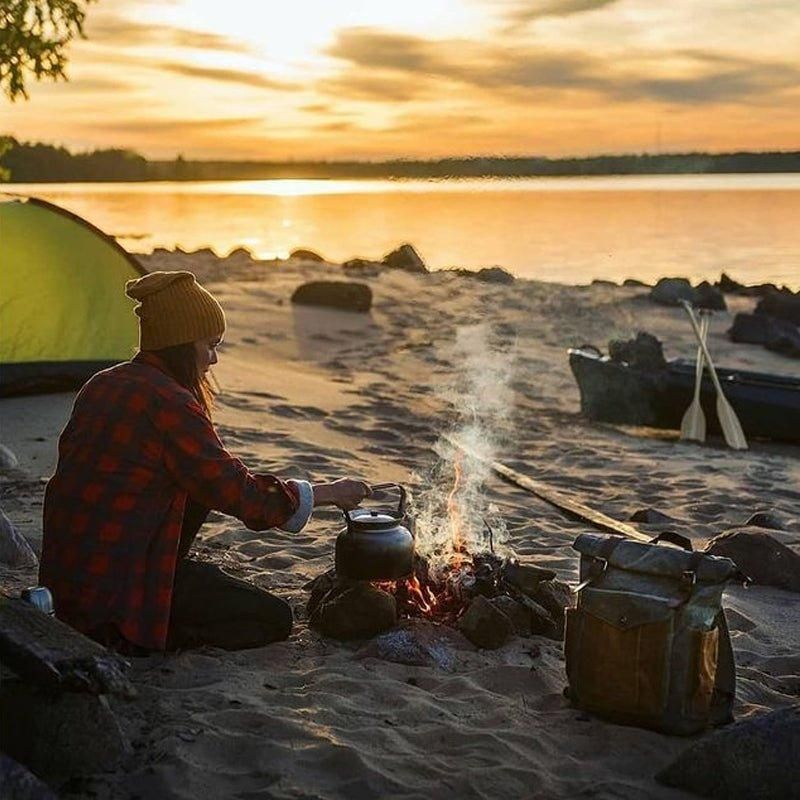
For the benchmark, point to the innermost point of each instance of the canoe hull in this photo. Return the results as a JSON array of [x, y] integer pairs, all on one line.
[[768, 406]]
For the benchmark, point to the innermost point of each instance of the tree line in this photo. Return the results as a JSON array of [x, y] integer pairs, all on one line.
[[27, 162]]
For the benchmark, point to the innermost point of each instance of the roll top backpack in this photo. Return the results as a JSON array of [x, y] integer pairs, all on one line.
[[647, 643]]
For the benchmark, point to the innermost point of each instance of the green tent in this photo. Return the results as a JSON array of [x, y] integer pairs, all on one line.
[[63, 310]]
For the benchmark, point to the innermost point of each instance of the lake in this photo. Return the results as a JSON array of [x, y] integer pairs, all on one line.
[[570, 229]]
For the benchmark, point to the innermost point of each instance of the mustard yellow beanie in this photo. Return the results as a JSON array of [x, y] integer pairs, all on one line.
[[174, 309]]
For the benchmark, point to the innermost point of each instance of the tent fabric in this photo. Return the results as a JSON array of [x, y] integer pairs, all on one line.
[[63, 310]]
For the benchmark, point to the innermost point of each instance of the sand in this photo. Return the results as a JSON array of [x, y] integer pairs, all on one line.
[[323, 394]]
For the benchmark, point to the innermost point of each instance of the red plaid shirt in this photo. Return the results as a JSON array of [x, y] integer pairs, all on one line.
[[137, 444]]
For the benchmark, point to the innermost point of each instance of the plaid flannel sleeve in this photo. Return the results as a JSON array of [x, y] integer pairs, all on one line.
[[200, 464]]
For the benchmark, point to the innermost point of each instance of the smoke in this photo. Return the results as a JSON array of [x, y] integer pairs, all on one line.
[[452, 513]]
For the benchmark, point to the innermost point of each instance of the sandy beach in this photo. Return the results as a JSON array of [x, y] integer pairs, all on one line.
[[319, 394]]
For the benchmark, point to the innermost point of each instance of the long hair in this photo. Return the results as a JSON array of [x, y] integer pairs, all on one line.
[[181, 360]]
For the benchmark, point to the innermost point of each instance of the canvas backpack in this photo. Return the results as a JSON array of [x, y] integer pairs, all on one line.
[[647, 643]]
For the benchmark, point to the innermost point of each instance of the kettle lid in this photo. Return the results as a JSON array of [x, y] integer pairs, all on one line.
[[363, 519]]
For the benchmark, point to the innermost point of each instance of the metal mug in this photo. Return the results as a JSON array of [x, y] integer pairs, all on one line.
[[39, 597]]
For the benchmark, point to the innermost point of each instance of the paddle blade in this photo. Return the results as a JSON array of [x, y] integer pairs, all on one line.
[[693, 424], [729, 422]]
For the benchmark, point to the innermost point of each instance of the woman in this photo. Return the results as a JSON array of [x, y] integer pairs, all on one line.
[[139, 466]]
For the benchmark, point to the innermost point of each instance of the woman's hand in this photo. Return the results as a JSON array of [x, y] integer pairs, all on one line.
[[345, 493]]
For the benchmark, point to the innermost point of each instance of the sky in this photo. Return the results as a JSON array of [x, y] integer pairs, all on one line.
[[336, 79]]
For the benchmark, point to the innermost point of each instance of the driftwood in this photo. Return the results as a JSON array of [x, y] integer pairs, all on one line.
[[50, 654], [561, 501]]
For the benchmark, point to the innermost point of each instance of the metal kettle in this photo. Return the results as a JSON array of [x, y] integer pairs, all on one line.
[[376, 545]]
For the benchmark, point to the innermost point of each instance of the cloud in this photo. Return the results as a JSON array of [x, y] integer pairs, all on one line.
[[523, 11], [387, 66], [178, 126], [112, 29], [227, 75]]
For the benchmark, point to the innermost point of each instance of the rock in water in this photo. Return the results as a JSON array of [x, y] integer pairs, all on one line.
[[485, 625], [305, 255], [495, 275], [670, 291], [758, 759], [766, 519], [708, 296], [14, 548], [405, 258], [761, 557], [342, 295]]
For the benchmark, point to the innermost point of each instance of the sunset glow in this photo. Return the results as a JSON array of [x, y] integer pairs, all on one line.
[[425, 78]]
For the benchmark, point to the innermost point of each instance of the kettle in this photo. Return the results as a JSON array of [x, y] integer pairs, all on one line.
[[375, 545]]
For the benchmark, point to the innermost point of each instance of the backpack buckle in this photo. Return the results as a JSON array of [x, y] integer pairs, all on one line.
[[597, 567]]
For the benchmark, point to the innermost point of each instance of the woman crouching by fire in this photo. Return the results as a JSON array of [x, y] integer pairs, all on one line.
[[139, 467]]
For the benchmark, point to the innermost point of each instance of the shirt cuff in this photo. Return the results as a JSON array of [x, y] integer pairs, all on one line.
[[305, 505]]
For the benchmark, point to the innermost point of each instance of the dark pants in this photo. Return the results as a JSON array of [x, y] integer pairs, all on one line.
[[210, 607]]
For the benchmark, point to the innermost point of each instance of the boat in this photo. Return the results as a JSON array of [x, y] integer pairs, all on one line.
[[768, 406]]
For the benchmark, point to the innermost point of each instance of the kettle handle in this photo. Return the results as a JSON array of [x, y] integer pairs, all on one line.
[[401, 506]]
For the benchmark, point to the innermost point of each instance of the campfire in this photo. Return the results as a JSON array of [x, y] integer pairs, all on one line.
[[487, 595]]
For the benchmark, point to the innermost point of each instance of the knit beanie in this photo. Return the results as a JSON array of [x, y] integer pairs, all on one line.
[[174, 309]]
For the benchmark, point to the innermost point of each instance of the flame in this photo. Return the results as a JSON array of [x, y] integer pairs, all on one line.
[[417, 594], [455, 520]]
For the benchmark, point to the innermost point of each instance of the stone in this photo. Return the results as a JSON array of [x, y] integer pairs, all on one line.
[[782, 305], [752, 329], [555, 596], [405, 258], [766, 519], [708, 296], [635, 282], [306, 255], [318, 588], [526, 577], [540, 620], [8, 460], [670, 291], [485, 625], [644, 352], [341, 295], [651, 516], [729, 285], [358, 611], [603, 282], [764, 559], [495, 275], [786, 343], [14, 548], [756, 759], [59, 736], [517, 612], [17, 783]]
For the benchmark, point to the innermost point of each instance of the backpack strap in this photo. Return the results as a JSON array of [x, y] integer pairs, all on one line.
[[599, 563], [724, 694]]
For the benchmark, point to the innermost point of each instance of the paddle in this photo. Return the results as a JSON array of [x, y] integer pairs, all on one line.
[[693, 424], [729, 422]]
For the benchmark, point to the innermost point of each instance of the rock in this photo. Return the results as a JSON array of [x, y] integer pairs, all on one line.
[[405, 258], [767, 519], [240, 254], [756, 759], [59, 736], [762, 558], [786, 342], [342, 295], [361, 266], [783, 305], [8, 460], [729, 286], [603, 282], [305, 255], [518, 613], [644, 352], [650, 516], [14, 548], [495, 275], [319, 587], [751, 329], [526, 577], [359, 611], [635, 282], [17, 783], [555, 596], [708, 296], [485, 625], [540, 621], [670, 291]]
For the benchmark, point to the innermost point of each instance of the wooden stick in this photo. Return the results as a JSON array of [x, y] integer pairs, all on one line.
[[562, 502]]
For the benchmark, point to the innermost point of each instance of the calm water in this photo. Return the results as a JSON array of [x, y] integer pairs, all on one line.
[[561, 229]]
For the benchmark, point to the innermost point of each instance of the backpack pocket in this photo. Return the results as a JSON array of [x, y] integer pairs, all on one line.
[[617, 648], [702, 671]]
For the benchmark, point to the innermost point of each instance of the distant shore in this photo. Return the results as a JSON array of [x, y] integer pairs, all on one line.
[[27, 162]]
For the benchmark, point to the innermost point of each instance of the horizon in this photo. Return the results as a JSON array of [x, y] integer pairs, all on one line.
[[426, 81]]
